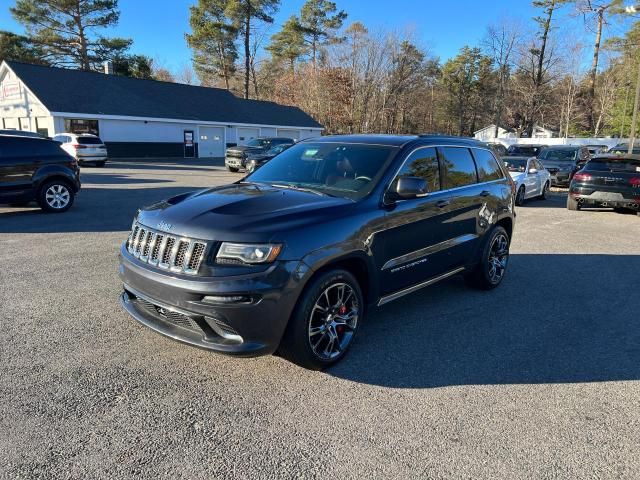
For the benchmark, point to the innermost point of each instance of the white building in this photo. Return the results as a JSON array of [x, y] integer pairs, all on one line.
[[140, 118], [486, 134]]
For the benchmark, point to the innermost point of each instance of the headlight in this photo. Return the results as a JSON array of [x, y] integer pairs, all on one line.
[[248, 253]]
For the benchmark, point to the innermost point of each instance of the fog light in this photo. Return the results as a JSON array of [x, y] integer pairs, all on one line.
[[227, 299]]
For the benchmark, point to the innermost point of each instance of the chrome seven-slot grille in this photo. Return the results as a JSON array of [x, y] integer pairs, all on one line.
[[178, 254]]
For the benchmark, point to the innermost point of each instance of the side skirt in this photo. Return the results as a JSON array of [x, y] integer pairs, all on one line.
[[401, 293]]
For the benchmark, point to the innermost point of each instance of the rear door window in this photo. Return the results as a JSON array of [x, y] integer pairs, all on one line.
[[423, 163], [488, 168], [459, 167]]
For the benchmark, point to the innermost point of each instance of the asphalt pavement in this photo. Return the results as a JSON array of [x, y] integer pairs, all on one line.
[[537, 379]]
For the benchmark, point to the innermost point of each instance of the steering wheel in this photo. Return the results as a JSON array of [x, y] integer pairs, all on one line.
[[366, 179]]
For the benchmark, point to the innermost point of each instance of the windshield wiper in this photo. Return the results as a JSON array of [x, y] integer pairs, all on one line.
[[300, 189]]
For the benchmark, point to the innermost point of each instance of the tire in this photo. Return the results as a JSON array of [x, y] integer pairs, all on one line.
[[572, 204], [520, 196], [494, 259], [310, 322], [56, 196], [545, 191], [232, 169]]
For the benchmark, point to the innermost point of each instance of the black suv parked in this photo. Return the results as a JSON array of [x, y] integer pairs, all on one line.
[[292, 256], [37, 169], [607, 181], [236, 157]]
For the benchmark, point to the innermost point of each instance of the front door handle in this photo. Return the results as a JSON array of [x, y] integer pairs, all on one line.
[[442, 203], [485, 193]]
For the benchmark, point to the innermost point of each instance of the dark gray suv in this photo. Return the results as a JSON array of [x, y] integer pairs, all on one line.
[[291, 257]]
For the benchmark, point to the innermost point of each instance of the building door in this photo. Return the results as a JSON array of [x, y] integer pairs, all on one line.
[[189, 144], [211, 142], [288, 133], [247, 134]]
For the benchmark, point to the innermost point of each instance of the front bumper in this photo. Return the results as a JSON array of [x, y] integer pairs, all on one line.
[[235, 162], [175, 307], [560, 178]]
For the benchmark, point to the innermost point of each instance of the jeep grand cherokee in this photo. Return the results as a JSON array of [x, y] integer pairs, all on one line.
[[291, 257]]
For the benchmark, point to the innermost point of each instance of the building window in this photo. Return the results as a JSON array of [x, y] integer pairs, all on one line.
[[81, 125], [41, 126]]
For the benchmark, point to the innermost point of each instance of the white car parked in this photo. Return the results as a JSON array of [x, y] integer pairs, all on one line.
[[532, 179], [84, 147]]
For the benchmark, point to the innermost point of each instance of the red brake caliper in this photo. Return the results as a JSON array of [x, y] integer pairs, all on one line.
[[341, 311]]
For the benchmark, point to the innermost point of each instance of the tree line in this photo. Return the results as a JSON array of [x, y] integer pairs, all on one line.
[[523, 73]]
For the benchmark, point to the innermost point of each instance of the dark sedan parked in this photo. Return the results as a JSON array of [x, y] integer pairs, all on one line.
[[37, 169], [292, 256], [607, 181], [236, 157], [562, 160], [256, 160]]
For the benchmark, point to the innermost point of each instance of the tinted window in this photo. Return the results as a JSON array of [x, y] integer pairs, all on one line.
[[89, 141], [423, 163], [558, 155], [28, 147], [528, 150], [515, 164], [488, 168], [613, 165], [278, 141], [344, 170], [459, 167]]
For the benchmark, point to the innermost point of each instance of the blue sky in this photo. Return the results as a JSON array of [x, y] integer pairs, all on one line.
[[158, 26]]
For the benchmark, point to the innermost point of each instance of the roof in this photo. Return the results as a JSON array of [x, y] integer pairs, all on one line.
[[397, 140], [76, 91], [493, 125]]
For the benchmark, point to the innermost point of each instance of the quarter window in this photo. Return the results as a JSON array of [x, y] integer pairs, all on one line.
[[460, 170], [488, 168], [423, 163]]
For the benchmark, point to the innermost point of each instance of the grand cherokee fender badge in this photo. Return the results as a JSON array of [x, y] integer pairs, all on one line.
[[164, 226]]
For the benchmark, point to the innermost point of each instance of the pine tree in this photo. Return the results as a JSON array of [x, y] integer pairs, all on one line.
[[213, 41], [20, 49], [288, 44], [245, 13], [319, 20], [65, 30]]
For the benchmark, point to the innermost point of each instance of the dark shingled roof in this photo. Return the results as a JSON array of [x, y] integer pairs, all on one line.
[[75, 91]]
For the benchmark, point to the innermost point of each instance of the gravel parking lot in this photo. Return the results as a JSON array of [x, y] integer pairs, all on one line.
[[538, 379]]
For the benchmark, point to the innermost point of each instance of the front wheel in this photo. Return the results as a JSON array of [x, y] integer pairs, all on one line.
[[232, 169], [325, 321], [55, 196], [490, 270]]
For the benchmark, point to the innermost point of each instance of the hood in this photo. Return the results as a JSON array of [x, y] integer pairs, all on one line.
[[240, 212], [259, 156], [246, 149]]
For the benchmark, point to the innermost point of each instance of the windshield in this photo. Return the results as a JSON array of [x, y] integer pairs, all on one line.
[[277, 149], [629, 165], [516, 164], [558, 155], [528, 150], [258, 142], [337, 169]]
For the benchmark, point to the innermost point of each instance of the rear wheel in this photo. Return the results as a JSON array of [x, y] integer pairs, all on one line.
[[520, 196], [489, 272], [55, 196], [545, 191], [324, 322], [572, 203]]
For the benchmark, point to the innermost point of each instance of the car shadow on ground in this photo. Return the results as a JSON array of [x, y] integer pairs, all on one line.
[[556, 199], [521, 333], [96, 209]]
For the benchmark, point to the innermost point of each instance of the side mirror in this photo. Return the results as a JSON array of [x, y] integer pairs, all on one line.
[[533, 170], [409, 187]]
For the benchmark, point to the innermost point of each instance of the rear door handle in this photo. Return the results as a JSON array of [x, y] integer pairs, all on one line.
[[485, 193], [442, 203]]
